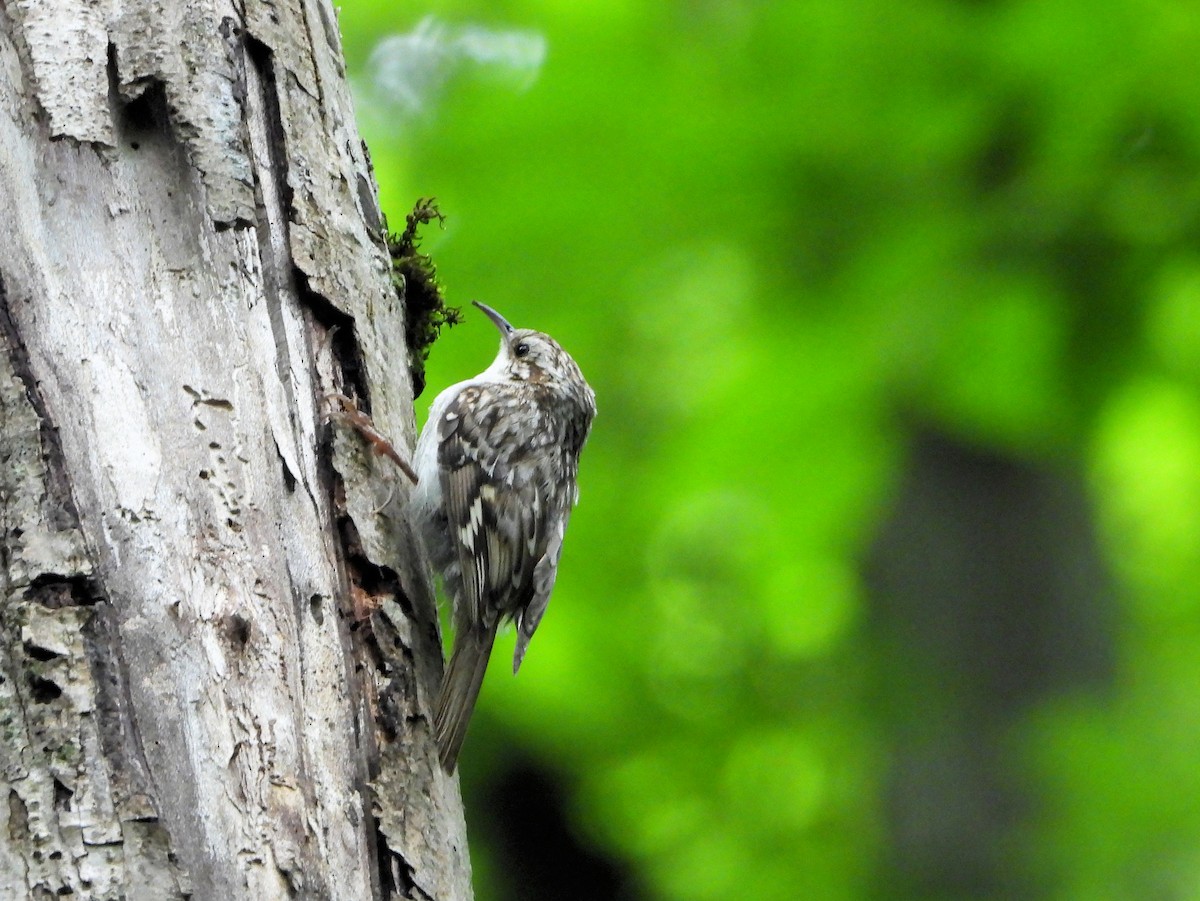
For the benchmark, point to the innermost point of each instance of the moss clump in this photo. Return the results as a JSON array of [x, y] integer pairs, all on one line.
[[414, 278]]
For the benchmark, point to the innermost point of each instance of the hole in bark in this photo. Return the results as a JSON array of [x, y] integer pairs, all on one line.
[[62, 796], [56, 591], [389, 871], [146, 114], [42, 690], [289, 480], [238, 630], [39, 653], [314, 607]]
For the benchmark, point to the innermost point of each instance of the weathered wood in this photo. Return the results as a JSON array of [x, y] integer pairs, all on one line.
[[196, 697]]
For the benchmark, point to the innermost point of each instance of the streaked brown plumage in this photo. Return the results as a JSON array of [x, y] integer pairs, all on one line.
[[497, 465]]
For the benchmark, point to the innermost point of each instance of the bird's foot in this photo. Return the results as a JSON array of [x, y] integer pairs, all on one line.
[[345, 410]]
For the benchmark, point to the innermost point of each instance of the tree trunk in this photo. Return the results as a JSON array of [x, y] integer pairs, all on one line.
[[218, 641]]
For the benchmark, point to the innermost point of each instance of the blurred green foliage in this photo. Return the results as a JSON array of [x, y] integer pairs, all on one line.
[[780, 237]]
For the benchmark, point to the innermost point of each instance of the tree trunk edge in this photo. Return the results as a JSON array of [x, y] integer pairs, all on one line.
[[68, 693]]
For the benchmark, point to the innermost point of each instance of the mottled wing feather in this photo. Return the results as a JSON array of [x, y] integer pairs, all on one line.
[[492, 503], [544, 573]]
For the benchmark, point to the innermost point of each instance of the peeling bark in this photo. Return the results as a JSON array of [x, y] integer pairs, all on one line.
[[218, 639]]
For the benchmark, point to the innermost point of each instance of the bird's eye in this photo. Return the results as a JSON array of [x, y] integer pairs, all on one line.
[[522, 349]]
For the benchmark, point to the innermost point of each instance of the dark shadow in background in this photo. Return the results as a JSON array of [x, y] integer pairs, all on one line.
[[988, 596], [524, 820]]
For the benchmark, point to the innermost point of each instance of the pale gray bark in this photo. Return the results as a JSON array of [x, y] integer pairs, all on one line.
[[218, 644]]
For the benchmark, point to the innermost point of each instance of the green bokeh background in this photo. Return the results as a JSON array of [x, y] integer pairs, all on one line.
[[806, 253]]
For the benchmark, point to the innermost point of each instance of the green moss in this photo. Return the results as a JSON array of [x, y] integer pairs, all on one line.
[[414, 278]]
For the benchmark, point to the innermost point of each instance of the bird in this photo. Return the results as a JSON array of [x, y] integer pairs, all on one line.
[[497, 478]]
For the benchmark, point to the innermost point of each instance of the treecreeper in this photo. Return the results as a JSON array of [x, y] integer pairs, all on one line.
[[496, 469]]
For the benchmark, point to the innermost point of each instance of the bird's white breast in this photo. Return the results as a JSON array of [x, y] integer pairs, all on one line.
[[427, 498]]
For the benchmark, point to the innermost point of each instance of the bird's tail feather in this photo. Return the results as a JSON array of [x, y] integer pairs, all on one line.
[[460, 689]]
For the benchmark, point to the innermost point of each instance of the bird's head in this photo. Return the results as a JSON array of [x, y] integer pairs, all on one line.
[[529, 356]]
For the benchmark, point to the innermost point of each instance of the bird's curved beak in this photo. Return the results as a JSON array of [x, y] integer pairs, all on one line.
[[499, 321]]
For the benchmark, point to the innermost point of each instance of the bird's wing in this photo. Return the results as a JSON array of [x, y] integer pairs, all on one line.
[[492, 497], [544, 574]]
